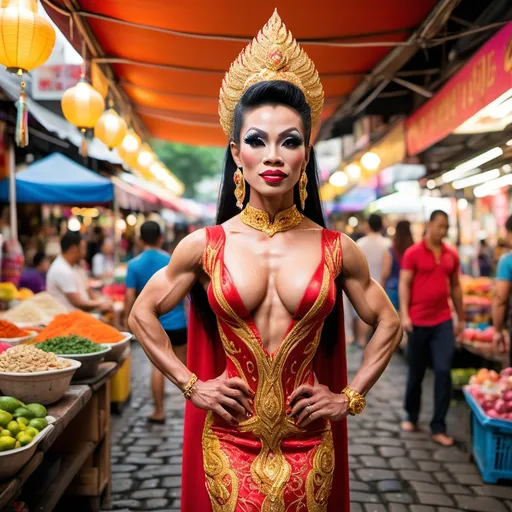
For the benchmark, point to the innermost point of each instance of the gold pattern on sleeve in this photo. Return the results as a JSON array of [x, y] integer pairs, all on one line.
[[221, 480], [319, 480]]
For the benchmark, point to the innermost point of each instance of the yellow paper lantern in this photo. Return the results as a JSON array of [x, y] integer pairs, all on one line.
[[26, 42], [146, 156], [128, 151], [82, 105], [111, 128]]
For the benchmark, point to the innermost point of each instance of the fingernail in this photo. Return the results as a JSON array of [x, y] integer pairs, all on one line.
[[249, 414], [252, 392], [288, 411]]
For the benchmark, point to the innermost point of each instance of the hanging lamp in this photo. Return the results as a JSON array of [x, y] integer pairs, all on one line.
[[111, 128], [82, 105], [146, 157], [27, 42], [128, 150]]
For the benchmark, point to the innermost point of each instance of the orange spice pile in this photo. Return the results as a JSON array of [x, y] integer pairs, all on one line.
[[8, 330], [81, 324]]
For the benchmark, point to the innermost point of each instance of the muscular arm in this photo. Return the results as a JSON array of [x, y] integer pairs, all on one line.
[[457, 297], [500, 300], [387, 263], [129, 301], [164, 292], [373, 306], [404, 290]]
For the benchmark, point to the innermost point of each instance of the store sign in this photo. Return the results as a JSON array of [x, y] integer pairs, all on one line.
[[486, 77], [50, 81]]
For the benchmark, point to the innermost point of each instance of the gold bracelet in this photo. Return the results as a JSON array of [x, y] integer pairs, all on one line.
[[187, 392]]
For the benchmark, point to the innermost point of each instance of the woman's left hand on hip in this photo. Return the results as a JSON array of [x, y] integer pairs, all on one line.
[[309, 403]]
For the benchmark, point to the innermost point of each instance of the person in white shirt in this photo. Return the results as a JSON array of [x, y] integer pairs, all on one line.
[[374, 246], [66, 280], [103, 261]]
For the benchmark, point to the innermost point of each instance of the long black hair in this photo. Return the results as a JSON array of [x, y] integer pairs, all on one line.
[[266, 93]]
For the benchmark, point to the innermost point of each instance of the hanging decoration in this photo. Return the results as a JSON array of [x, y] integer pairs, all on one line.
[[129, 149], [27, 42], [146, 156], [111, 128], [82, 105]]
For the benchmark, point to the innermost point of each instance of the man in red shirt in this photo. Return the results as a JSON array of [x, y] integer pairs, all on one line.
[[429, 276]]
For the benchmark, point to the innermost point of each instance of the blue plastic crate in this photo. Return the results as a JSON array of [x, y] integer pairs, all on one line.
[[492, 443]]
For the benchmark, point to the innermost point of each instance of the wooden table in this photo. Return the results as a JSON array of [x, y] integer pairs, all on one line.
[[80, 439]]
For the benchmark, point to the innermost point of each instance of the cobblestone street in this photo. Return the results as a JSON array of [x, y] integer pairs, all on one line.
[[390, 471]]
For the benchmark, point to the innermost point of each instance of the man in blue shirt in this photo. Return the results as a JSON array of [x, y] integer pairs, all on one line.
[[501, 298], [140, 270]]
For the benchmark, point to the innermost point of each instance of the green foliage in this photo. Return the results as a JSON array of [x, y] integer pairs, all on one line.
[[190, 164]]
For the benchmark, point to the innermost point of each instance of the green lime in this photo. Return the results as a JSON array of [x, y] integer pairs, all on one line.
[[38, 424], [31, 431], [7, 443], [5, 432], [38, 409], [24, 438], [22, 421], [14, 428], [24, 413], [5, 418], [9, 403]]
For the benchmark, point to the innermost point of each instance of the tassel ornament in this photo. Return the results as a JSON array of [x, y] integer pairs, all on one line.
[[21, 134]]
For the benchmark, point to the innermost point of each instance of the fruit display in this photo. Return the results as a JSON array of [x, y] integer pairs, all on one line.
[[493, 392], [461, 376], [73, 344], [8, 291], [20, 423], [39, 309], [481, 333], [81, 324], [477, 298], [29, 359], [480, 286]]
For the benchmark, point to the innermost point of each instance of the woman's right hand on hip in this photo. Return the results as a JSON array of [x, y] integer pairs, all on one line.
[[231, 399]]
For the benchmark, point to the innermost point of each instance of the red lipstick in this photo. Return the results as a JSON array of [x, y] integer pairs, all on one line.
[[273, 175]]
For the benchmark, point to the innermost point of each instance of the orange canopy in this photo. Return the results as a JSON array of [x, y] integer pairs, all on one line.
[[172, 76]]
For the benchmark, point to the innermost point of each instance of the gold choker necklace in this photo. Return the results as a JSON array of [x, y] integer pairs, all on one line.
[[260, 219]]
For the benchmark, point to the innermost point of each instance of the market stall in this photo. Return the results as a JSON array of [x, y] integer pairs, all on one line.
[[55, 409]]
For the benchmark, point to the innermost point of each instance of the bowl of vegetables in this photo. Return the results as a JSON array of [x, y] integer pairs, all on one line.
[[13, 335], [119, 347], [81, 349]]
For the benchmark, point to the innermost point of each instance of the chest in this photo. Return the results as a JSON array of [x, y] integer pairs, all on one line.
[[274, 272], [441, 263]]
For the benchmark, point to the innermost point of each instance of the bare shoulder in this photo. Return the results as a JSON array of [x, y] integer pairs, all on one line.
[[189, 251], [354, 261]]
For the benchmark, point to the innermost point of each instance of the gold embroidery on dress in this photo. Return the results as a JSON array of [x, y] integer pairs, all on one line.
[[319, 480], [221, 480], [270, 470]]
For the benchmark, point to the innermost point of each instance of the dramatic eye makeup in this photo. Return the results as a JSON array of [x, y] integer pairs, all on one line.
[[291, 138]]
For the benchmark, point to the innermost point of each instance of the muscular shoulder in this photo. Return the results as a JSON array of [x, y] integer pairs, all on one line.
[[189, 252]]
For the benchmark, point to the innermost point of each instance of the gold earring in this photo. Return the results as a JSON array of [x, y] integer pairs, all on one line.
[[239, 180], [303, 183]]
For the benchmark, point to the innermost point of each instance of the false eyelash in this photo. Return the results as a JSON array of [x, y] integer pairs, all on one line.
[[251, 137], [295, 139]]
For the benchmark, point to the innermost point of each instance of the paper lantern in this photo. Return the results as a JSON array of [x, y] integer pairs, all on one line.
[[82, 105], [111, 128], [128, 151], [27, 42], [146, 156]]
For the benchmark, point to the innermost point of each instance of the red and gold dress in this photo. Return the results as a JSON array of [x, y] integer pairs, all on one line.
[[266, 463]]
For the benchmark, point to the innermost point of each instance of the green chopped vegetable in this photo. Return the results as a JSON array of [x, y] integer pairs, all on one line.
[[71, 344]]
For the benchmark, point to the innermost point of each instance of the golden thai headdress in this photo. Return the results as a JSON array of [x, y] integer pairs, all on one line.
[[273, 54]]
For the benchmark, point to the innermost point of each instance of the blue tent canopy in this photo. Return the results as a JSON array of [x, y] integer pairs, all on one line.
[[56, 179]]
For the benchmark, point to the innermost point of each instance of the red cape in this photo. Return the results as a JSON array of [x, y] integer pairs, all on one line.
[[207, 360]]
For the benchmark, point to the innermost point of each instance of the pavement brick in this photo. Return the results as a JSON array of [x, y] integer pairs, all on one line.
[[398, 497], [121, 485], [129, 504], [371, 461], [402, 463], [368, 475], [496, 491], [374, 507], [462, 468], [149, 493], [152, 483], [359, 449], [397, 507], [356, 507], [422, 508], [156, 502], [428, 465], [479, 504], [426, 487], [435, 499], [363, 497], [417, 455], [419, 476], [359, 486], [468, 479], [456, 489], [391, 451], [390, 486], [171, 481]]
